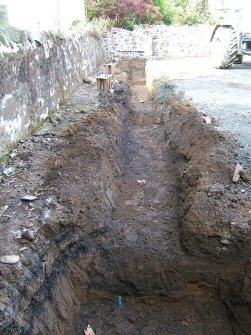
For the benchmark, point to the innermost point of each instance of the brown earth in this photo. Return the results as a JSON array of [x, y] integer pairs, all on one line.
[[135, 199]]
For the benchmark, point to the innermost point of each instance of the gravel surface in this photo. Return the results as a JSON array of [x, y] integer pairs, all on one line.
[[221, 94]]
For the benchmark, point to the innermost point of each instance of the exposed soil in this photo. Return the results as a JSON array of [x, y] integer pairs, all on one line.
[[138, 226], [221, 94]]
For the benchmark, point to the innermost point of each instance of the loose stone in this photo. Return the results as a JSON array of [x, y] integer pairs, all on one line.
[[28, 235], [29, 197], [9, 259]]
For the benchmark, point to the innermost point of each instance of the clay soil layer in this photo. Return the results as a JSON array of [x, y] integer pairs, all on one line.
[[137, 225]]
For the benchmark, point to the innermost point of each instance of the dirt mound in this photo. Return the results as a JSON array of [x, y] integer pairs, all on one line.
[[215, 213]]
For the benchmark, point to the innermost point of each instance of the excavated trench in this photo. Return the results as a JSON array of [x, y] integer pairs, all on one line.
[[144, 232]]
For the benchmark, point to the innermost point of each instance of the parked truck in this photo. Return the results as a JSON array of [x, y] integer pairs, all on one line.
[[231, 38]]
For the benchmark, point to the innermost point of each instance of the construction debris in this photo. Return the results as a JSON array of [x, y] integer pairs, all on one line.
[[89, 331], [120, 302], [3, 209], [237, 173], [29, 197], [9, 170]]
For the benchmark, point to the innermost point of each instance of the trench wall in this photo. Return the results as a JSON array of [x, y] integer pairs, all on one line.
[[160, 41], [36, 74]]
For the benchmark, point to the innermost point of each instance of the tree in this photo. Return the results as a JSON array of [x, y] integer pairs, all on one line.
[[183, 11], [199, 13], [125, 13], [169, 9], [101, 8]]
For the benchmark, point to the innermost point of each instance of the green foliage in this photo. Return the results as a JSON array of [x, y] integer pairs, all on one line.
[[195, 18], [184, 11], [101, 8], [130, 22], [199, 14], [124, 13], [172, 10], [128, 13], [166, 9], [95, 28], [75, 23]]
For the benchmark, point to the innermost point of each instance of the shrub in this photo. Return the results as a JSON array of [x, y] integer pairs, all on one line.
[[101, 8], [195, 18], [172, 10], [128, 13], [95, 28], [125, 13], [199, 14]]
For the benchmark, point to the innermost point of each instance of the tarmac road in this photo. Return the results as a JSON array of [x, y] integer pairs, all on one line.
[[222, 94]]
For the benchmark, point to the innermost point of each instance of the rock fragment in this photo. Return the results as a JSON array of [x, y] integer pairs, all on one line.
[[9, 259], [28, 235], [207, 119], [237, 173], [245, 176], [87, 80], [29, 197], [225, 241]]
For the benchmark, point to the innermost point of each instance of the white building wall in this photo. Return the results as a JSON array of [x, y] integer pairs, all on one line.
[[44, 15]]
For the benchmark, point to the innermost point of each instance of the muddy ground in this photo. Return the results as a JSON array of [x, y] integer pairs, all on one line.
[[137, 227]]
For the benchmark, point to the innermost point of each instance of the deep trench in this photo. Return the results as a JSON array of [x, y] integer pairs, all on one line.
[[154, 286], [120, 265]]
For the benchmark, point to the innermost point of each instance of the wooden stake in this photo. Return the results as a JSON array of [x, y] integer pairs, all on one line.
[[104, 82], [110, 68]]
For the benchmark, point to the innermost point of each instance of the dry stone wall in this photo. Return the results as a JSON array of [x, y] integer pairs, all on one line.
[[36, 75], [124, 43], [159, 41], [37, 72]]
